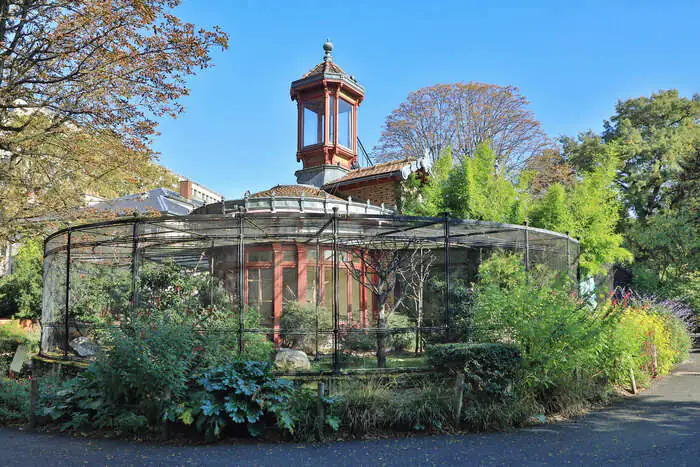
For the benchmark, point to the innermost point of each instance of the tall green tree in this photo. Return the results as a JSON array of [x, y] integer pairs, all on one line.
[[656, 137], [478, 189], [588, 208], [473, 188], [421, 198]]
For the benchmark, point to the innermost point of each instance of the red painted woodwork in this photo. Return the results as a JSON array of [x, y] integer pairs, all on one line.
[[328, 152]]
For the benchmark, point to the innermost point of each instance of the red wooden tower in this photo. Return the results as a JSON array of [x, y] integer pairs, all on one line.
[[327, 100]]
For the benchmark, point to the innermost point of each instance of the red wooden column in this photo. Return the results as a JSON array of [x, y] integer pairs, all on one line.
[[363, 297], [277, 297], [335, 118], [301, 274], [353, 141], [348, 287], [300, 128], [327, 120]]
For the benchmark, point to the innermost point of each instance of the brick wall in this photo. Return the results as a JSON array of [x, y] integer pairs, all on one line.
[[377, 193]]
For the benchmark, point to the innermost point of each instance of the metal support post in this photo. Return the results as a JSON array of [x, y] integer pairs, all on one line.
[[336, 349], [578, 266], [67, 295], [134, 266], [241, 279], [527, 247], [568, 258], [447, 311], [317, 289], [211, 276]]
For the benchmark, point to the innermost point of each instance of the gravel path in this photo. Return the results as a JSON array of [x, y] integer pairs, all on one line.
[[660, 426]]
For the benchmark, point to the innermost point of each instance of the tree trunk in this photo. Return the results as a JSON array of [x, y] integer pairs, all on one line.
[[381, 337], [419, 340]]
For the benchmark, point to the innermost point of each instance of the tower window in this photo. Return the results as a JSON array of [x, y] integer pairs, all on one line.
[[313, 122], [331, 119], [345, 121]]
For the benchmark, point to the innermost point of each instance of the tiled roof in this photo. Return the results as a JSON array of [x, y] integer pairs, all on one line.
[[375, 171], [294, 191], [323, 68], [160, 199]]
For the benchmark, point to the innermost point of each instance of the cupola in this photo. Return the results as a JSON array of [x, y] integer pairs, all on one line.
[[327, 102]]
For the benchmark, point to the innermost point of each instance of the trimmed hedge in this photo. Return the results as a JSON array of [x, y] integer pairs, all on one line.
[[490, 369]]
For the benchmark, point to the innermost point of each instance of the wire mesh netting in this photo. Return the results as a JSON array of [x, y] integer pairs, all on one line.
[[352, 292]]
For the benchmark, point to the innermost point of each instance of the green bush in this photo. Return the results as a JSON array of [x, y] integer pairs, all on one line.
[[144, 369], [20, 292], [405, 339], [491, 370], [304, 408], [448, 355], [358, 341], [298, 325], [241, 393], [14, 401], [570, 350], [556, 332], [639, 331], [460, 303], [680, 339]]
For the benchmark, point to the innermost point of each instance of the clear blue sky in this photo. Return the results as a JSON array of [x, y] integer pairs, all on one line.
[[572, 60]]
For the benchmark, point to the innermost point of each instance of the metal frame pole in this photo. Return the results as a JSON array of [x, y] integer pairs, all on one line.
[[317, 290], [336, 349], [134, 265], [527, 248], [578, 267], [568, 255], [241, 280], [211, 276], [67, 295], [446, 246]]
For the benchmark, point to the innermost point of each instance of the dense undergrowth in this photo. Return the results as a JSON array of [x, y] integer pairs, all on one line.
[[534, 348]]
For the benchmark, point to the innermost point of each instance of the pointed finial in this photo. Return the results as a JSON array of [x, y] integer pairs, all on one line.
[[328, 48]]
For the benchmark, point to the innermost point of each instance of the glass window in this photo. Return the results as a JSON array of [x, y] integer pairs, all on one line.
[[328, 287], [260, 294], [345, 124], [313, 122], [328, 255], [331, 119], [260, 256], [311, 284], [355, 300], [289, 256], [343, 294], [289, 284], [311, 254]]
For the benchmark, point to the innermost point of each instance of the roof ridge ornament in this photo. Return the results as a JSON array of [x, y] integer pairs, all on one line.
[[328, 48]]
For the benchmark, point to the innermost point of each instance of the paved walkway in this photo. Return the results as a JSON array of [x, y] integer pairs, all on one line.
[[658, 427]]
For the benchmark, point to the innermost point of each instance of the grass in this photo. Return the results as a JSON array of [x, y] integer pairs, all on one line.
[[379, 404], [369, 361], [11, 336]]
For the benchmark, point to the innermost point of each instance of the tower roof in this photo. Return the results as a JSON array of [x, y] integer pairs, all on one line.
[[327, 69]]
